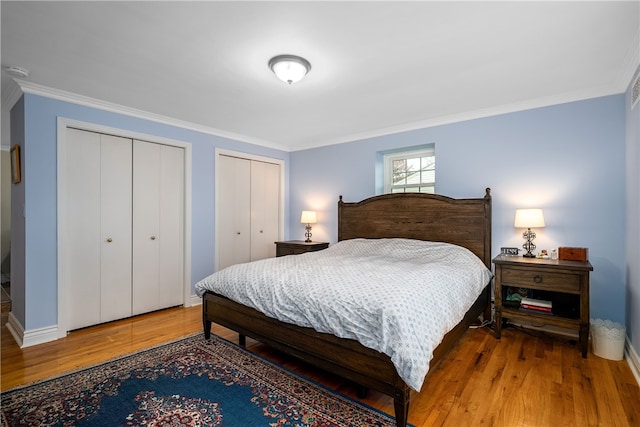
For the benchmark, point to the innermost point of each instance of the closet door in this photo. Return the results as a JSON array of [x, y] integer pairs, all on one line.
[[158, 234], [98, 228], [234, 213], [265, 209], [115, 262], [171, 226], [83, 236]]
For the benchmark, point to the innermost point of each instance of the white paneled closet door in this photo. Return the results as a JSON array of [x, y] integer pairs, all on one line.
[[234, 222], [265, 209], [98, 224], [115, 192], [158, 232]]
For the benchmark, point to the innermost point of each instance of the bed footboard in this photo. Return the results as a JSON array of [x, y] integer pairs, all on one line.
[[347, 358]]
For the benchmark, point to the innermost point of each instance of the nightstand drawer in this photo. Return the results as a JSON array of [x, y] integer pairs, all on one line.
[[527, 278], [297, 247], [283, 250]]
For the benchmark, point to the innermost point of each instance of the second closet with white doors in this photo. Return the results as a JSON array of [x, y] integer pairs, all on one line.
[[248, 212], [124, 239]]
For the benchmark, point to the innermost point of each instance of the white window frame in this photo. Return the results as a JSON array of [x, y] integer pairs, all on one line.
[[388, 160]]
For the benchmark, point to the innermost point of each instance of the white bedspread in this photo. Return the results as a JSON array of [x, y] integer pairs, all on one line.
[[397, 296]]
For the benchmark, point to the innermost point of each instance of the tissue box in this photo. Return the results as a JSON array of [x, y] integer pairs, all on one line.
[[573, 254]]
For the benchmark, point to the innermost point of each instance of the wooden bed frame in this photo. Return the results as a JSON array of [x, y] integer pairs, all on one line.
[[464, 222]]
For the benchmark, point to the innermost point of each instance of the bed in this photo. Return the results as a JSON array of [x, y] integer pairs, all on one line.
[[417, 217]]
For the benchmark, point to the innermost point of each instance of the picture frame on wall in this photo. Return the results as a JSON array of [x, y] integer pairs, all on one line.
[[15, 164]]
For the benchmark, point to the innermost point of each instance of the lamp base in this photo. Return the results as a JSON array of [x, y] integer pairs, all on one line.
[[528, 245]]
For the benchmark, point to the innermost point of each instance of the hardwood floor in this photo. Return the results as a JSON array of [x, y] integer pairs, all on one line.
[[525, 379]]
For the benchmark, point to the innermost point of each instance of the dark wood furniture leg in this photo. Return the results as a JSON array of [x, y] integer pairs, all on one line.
[[362, 391], [207, 326], [401, 406]]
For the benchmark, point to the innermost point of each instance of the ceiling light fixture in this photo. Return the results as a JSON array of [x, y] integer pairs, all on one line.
[[289, 68]]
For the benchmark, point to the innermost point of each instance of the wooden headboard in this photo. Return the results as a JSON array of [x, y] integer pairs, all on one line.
[[464, 222]]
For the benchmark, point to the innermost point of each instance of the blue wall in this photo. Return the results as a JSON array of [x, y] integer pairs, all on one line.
[[568, 159], [39, 308], [17, 219], [633, 221]]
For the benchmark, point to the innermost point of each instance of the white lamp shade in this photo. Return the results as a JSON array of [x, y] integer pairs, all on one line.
[[289, 68], [308, 217], [529, 218]]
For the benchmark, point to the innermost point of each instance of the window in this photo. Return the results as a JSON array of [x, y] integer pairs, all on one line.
[[410, 171]]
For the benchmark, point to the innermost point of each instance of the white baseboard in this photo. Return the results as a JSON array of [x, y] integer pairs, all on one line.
[[632, 358], [38, 336], [32, 337], [195, 300], [16, 329]]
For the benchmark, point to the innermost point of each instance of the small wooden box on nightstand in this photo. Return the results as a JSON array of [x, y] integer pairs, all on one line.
[[296, 247], [565, 283]]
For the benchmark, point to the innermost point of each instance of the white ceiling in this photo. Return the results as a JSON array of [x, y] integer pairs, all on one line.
[[377, 67]]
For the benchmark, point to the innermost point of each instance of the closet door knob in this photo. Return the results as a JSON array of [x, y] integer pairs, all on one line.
[[238, 233], [261, 231], [153, 237], [109, 240]]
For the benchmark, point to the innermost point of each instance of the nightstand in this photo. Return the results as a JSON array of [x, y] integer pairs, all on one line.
[[564, 283], [296, 247]]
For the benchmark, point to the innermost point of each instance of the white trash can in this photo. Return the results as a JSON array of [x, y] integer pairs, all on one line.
[[607, 339]]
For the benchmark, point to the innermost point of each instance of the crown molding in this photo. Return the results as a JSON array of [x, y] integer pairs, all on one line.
[[632, 61], [61, 95], [11, 95], [531, 104]]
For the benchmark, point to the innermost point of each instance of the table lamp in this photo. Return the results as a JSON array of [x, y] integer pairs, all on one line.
[[308, 217]]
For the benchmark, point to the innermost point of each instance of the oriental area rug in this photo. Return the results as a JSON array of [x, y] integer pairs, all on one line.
[[191, 382]]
